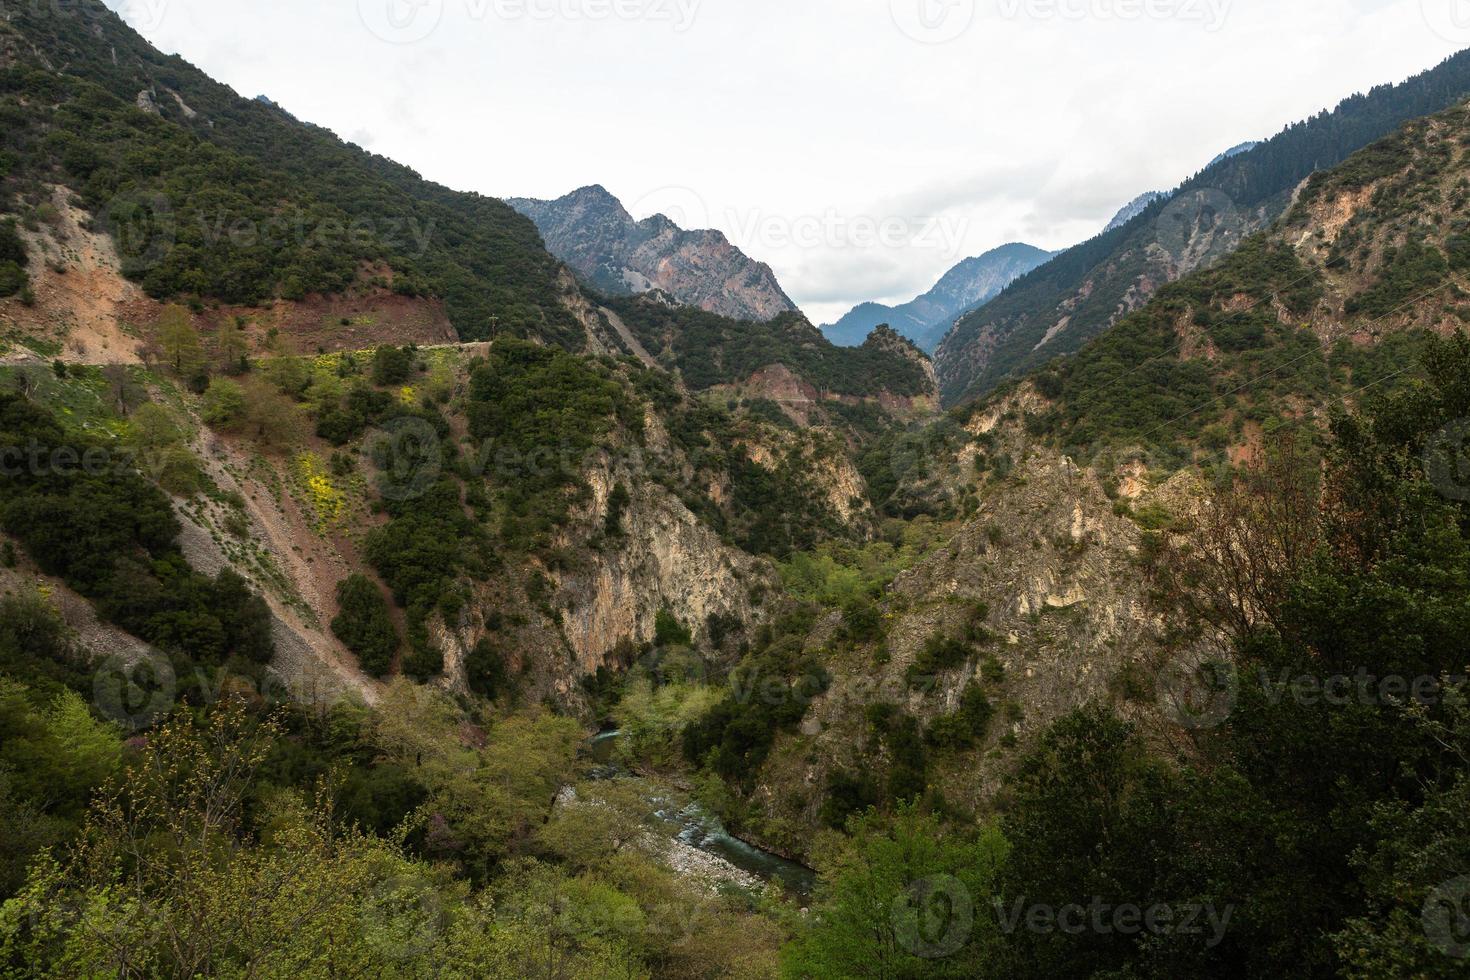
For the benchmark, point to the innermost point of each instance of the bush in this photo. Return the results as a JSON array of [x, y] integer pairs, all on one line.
[[365, 625], [113, 537], [392, 365], [669, 632], [966, 726], [485, 670], [224, 403]]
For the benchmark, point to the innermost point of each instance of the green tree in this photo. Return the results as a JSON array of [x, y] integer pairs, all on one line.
[[179, 341], [904, 898], [365, 625]]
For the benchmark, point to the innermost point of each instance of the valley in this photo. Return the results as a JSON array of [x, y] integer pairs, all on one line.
[[398, 581]]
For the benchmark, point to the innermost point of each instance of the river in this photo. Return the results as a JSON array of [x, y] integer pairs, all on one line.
[[694, 825]]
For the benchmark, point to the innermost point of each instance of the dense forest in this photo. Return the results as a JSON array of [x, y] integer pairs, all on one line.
[[711, 350], [194, 188]]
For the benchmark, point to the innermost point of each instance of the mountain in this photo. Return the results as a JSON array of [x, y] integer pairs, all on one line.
[[926, 319], [1140, 203], [1234, 151], [590, 230], [1060, 306], [232, 199], [1133, 209]]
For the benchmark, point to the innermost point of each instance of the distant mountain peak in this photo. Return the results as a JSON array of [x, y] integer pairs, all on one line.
[[1133, 209], [924, 321], [592, 232]]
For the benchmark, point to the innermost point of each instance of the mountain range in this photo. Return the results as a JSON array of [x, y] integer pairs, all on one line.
[[926, 319], [591, 231], [1059, 307], [426, 603]]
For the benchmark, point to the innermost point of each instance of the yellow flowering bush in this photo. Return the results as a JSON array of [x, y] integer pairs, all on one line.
[[326, 499]]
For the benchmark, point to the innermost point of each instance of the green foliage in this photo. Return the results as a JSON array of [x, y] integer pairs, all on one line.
[[392, 365], [53, 755], [420, 553], [711, 350], [939, 654], [112, 536], [1121, 391], [365, 625], [348, 420], [769, 692], [537, 414], [905, 899], [1408, 274], [669, 632], [838, 575], [244, 203], [223, 404], [13, 277], [485, 670], [966, 726], [1322, 823], [617, 504]]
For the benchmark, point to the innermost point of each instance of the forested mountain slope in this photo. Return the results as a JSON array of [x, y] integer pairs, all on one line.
[[1062, 305], [230, 198]]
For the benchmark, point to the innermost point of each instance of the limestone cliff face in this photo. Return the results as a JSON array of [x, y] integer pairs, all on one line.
[[664, 559], [1054, 574]]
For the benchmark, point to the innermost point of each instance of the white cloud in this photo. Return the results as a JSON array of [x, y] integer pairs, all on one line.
[[1035, 122]]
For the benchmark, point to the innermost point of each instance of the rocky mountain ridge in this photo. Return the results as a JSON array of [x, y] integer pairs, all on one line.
[[926, 319], [591, 231], [1081, 293]]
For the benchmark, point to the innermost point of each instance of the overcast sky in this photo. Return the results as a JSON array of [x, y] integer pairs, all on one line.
[[861, 147]]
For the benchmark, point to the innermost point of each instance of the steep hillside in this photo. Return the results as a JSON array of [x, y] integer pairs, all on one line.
[[786, 360], [1067, 497], [1333, 297], [1065, 303], [590, 231], [220, 197], [927, 319]]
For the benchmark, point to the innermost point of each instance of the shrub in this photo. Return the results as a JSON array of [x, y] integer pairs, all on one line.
[[365, 625]]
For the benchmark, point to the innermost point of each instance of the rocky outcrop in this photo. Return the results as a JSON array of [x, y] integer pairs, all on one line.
[[665, 559], [593, 233]]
